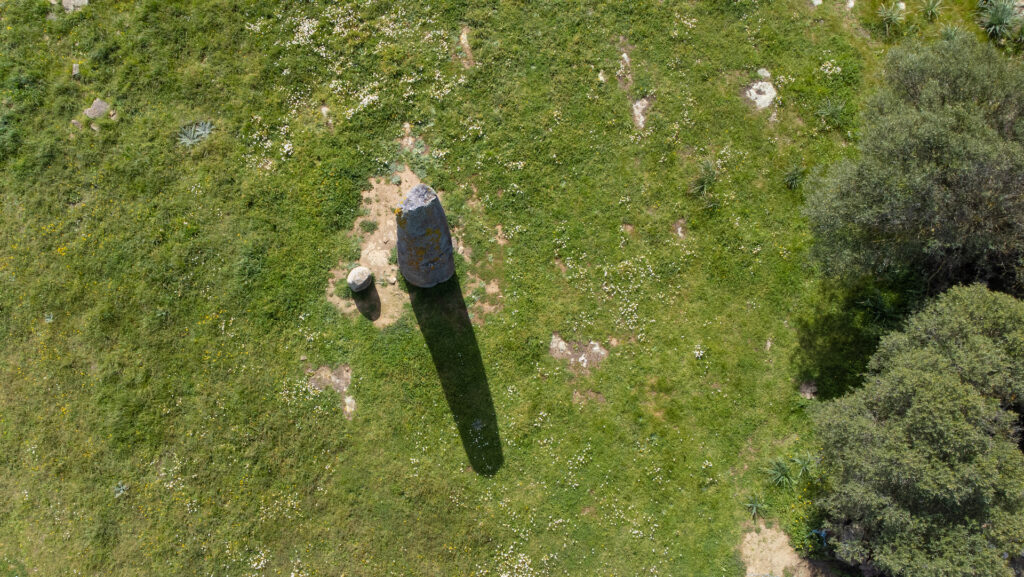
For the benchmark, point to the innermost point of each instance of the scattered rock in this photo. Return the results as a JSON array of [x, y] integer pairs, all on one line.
[[113, 115], [601, 77], [816, 2], [94, 126], [640, 108], [585, 356], [809, 390], [901, 5], [766, 551], [849, 4], [763, 73], [75, 71], [762, 94], [76, 124], [424, 239], [338, 379], [98, 109], [359, 279]]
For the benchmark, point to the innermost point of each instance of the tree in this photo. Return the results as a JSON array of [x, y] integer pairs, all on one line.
[[936, 189], [923, 468]]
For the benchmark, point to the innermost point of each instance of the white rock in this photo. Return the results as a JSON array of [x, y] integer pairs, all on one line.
[[359, 279], [763, 73], [762, 94], [901, 5]]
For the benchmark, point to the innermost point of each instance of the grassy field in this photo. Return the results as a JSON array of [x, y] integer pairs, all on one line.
[[161, 303]]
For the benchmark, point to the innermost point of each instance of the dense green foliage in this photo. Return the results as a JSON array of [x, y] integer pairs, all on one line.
[[922, 464], [937, 189]]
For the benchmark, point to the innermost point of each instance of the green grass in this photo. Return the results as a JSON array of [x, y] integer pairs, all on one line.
[[155, 299]]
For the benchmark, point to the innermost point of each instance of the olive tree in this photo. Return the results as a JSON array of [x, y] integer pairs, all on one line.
[[923, 468], [936, 187]]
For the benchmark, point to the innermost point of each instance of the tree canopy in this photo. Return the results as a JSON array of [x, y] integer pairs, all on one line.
[[937, 187], [923, 466]]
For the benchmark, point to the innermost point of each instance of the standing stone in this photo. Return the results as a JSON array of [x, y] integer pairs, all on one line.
[[75, 71], [424, 241]]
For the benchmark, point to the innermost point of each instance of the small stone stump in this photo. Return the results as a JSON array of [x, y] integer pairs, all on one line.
[[359, 279], [424, 240]]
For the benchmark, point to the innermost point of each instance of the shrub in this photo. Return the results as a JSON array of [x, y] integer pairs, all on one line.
[[923, 464], [937, 190]]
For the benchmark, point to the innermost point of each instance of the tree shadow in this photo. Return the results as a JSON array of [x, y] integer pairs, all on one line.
[[839, 336], [443, 319], [368, 302]]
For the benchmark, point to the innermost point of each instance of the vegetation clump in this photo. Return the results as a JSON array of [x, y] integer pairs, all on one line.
[[923, 465], [937, 189]]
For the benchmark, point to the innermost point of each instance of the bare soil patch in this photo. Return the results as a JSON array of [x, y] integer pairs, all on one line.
[[588, 396], [338, 379], [766, 551], [581, 356], [381, 201], [467, 59]]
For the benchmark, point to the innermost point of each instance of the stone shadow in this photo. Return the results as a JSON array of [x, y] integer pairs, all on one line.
[[368, 302], [444, 321]]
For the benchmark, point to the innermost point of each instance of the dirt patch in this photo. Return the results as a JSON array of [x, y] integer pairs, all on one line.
[[766, 551], [499, 235], [380, 201], [581, 356], [482, 305], [467, 58], [588, 396], [679, 227], [627, 228], [338, 379], [640, 108], [625, 73]]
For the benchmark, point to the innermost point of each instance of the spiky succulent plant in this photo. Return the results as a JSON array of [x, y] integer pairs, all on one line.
[[192, 134]]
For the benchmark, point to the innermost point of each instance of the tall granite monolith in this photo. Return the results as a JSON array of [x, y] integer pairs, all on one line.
[[424, 241]]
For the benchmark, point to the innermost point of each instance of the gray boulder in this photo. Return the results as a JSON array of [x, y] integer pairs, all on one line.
[[98, 109], [424, 241]]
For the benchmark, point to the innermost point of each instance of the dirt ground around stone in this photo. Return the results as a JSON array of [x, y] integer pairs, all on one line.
[[380, 202], [766, 551]]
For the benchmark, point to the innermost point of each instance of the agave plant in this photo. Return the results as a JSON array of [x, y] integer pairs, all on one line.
[[756, 507], [951, 33], [831, 112], [794, 176], [192, 134], [779, 473], [998, 19], [707, 177], [892, 17], [804, 465], [932, 9]]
